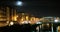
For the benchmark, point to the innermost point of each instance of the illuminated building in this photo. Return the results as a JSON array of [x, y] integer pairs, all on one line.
[[13, 15], [7, 14], [23, 17], [2, 15], [32, 19]]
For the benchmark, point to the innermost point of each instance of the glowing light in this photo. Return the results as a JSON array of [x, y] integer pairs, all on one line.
[[15, 18], [19, 3], [32, 19], [25, 22], [11, 23], [58, 28], [7, 22], [27, 18], [56, 20], [39, 23], [37, 19], [22, 19], [48, 24]]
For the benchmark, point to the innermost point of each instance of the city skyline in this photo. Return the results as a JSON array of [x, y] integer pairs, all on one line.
[[38, 8]]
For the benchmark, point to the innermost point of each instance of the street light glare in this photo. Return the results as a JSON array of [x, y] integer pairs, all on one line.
[[11, 23], [19, 3], [56, 20]]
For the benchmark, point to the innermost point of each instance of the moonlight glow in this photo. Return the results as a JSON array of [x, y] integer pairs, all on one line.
[[19, 3]]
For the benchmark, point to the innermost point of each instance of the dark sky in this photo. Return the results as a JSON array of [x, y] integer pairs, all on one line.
[[38, 8]]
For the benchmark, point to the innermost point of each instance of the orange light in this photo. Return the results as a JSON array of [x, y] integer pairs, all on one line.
[[32, 20], [15, 18], [27, 18]]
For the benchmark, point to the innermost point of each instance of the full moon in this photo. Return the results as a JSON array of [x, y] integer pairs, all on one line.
[[19, 3]]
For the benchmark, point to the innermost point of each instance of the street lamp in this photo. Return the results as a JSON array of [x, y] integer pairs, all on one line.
[[56, 20]]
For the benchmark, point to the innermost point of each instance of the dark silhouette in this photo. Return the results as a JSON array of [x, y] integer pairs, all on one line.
[[19, 28]]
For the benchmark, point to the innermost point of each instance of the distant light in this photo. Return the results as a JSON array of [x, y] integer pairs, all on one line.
[[58, 28], [48, 24], [7, 22], [11, 23], [15, 18], [39, 23], [19, 3], [25, 22], [56, 20]]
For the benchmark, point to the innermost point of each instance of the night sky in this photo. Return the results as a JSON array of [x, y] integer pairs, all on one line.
[[37, 8]]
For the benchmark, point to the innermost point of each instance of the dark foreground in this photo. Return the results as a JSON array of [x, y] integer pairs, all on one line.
[[22, 28]]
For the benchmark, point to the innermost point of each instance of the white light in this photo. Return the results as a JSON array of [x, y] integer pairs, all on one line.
[[38, 23], [29, 21], [56, 20], [19, 3], [25, 22], [37, 28], [11, 23]]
